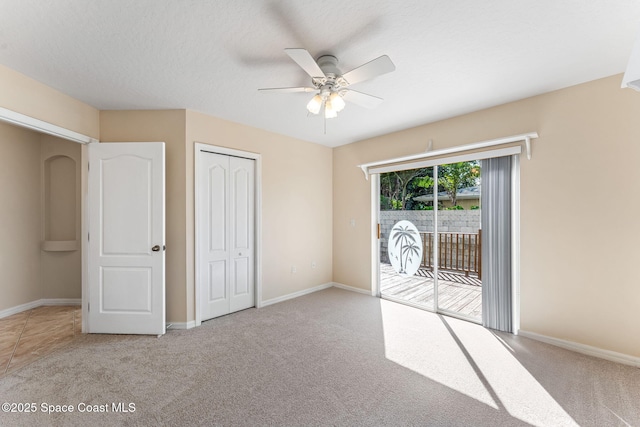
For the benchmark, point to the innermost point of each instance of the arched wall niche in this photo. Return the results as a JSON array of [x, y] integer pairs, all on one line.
[[59, 198]]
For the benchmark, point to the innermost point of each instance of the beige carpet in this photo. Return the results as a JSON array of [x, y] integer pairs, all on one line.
[[329, 358]]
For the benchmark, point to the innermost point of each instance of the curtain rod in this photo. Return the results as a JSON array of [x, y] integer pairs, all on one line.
[[526, 137]]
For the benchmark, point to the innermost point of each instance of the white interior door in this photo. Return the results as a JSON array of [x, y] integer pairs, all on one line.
[[126, 238], [226, 234]]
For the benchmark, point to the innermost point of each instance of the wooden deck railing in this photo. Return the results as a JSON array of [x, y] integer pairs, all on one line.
[[460, 252]]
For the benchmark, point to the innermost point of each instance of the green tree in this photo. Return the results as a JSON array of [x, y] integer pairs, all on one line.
[[389, 191], [404, 178], [397, 189], [455, 176]]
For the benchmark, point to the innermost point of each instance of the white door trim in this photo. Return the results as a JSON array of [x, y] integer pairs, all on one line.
[[84, 234], [37, 125], [375, 238], [198, 148]]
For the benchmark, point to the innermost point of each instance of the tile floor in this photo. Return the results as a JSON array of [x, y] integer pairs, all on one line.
[[27, 336]]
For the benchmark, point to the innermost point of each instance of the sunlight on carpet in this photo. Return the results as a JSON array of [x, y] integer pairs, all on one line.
[[469, 359]]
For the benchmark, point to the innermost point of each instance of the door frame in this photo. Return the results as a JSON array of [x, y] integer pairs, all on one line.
[[198, 148], [84, 233]]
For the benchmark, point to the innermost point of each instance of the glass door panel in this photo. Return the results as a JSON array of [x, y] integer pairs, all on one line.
[[459, 277], [407, 240]]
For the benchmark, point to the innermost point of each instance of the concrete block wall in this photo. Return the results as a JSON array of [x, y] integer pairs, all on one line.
[[465, 221]]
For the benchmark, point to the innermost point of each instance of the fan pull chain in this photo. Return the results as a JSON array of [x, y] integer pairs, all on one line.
[[324, 115]]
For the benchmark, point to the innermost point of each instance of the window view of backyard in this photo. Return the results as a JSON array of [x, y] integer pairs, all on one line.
[[409, 196]]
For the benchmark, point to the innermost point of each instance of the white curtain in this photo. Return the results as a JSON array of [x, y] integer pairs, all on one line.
[[496, 243]]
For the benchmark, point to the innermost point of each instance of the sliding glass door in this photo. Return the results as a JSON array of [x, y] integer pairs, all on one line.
[[430, 238]]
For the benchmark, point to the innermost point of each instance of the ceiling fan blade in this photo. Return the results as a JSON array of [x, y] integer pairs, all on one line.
[[288, 89], [362, 99], [304, 59], [371, 69]]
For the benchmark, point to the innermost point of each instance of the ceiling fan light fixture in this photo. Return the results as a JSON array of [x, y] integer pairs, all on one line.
[[331, 86], [337, 103], [315, 104]]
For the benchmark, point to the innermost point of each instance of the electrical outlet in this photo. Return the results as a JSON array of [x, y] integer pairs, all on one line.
[[294, 269]]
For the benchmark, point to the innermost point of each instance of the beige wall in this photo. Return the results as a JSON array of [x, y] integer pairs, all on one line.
[[27, 96], [296, 199], [30, 274], [166, 126], [34, 99], [19, 216], [61, 217], [578, 254], [296, 203], [464, 203]]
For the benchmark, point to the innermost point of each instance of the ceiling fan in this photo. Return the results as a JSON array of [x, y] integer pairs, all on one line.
[[331, 85]]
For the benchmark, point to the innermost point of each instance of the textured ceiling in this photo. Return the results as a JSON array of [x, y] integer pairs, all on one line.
[[452, 56]]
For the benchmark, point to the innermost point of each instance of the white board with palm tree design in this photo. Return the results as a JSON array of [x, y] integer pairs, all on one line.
[[405, 248]]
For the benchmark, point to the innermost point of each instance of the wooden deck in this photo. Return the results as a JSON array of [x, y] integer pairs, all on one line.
[[456, 293]]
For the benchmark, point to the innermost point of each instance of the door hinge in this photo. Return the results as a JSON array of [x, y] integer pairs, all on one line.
[[88, 237], [88, 166], [379, 232], [88, 307]]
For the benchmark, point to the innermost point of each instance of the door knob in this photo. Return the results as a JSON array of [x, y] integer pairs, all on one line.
[[156, 248]]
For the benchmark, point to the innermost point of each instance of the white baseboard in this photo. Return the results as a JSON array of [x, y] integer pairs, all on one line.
[[314, 289], [351, 288], [296, 294], [584, 349], [38, 303], [62, 301], [181, 325], [19, 308]]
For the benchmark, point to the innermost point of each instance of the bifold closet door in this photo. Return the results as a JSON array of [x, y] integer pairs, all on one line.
[[227, 253]]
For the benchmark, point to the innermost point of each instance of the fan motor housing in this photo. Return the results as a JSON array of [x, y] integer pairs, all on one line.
[[329, 65], [333, 80]]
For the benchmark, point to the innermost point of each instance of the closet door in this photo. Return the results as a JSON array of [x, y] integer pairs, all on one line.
[[227, 234], [242, 196]]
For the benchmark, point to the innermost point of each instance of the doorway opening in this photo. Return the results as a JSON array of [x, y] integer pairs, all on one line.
[[41, 248]]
